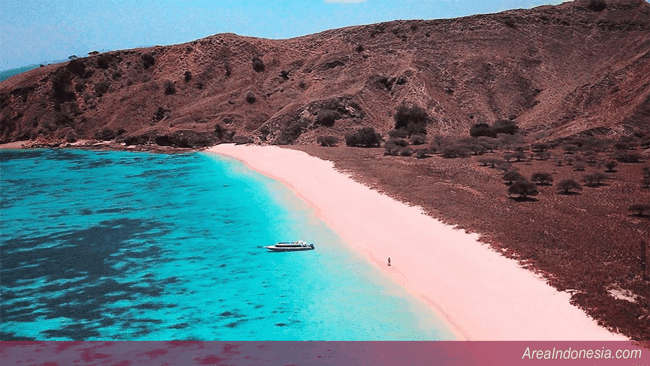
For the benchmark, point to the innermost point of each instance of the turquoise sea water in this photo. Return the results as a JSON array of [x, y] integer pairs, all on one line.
[[137, 246]]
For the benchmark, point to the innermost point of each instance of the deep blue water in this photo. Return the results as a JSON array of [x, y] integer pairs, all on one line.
[[137, 246]]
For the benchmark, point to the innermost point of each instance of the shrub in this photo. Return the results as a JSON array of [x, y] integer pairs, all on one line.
[[250, 97], [646, 171], [187, 76], [414, 119], [101, 88], [391, 148], [170, 88], [511, 176], [364, 137], [579, 167], [359, 48], [327, 117], [505, 126], [569, 149], [456, 151], [148, 61], [543, 155], [418, 139], [258, 64], [542, 178], [406, 151], [481, 129], [105, 134], [477, 149], [628, 157], [398, 134], [610, 165], [422, 153], [523, 188], [327, 141], [639, 209], [397, 142], [567, 185], [539, 147], [597, 5], [594, 180], [70, 137]]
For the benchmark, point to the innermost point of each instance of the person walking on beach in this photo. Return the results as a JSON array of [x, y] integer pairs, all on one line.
[[388, 261]]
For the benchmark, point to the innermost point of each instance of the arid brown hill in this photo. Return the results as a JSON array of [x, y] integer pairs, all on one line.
[[580, 67]]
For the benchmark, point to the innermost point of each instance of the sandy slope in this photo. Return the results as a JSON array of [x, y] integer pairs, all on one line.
[[483, 295]]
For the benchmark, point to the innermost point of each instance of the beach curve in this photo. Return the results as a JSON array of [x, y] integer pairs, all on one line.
[[478, 292]]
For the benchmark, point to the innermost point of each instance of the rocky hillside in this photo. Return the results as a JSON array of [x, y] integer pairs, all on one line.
[[582, 67]]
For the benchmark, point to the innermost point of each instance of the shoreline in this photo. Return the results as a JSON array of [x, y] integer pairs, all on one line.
[[451, 271]]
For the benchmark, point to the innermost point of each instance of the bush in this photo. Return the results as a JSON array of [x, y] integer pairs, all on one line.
[[101, 88], [610, 165], [567, 185], [542, 178], [258, 64], [569, 149], [406, 151], [639, 209], [645, 182], [504, 126], [418, 139], [628, 157], [147, 61], [414, 119], [539, 147], [511, 176], [398, 134], [187, 76], [594, 180], [579, 167], [327, 141], [523, 188], [597, 5], [250, 97], [481, 129], [422, 153], [359, 48], [398, 142], [327, 117], [170, 88], [364, 137], [456, 151]]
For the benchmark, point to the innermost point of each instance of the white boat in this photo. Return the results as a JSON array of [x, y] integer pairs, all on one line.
[[290, 246]]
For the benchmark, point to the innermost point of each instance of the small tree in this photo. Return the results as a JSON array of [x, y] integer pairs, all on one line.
[[579, 167], [567, 185], [414, 119], [422, 153], [542, 178], [639, 209], [511, 176], [523, 188], [418, 139], [610, 165], [594, 180], [364, 137]]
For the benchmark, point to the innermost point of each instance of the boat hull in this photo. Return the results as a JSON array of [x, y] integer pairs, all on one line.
[[288, 249]]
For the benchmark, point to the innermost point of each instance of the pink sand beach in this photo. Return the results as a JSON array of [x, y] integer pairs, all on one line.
[[478, 292]]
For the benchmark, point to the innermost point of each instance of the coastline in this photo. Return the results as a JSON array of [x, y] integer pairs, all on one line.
[[480, 294]]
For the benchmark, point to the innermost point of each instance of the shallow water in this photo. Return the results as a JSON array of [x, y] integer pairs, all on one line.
[[137, 246]]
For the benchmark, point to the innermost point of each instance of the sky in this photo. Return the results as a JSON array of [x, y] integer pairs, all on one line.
[[42, 31]]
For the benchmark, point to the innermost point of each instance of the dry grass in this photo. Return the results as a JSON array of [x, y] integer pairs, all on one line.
[[586, 243]]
